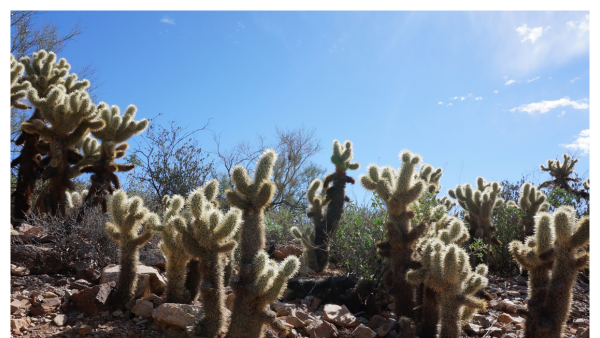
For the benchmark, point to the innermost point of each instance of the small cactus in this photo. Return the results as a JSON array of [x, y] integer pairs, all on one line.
[[399, 190], [553, 258], [562, 175], [479, 205], [315, 239], [531, 201], [446, 270], [128, 215], [208, 238], [117, 130], [261, 280]]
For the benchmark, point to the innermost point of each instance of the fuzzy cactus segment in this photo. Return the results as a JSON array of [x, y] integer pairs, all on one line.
[[208, 237], [479, 204], [326, 208], [118, 128], [260, 279], [399, 190], [18, 88], [128, 215]]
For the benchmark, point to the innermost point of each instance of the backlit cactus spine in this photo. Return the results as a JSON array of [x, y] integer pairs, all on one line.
[[117, 130], [551, 292], [315, 240], [128, 215], [261, 280], [399, 190], [531, 201], [479, 205], [446, 270], [208, 237]]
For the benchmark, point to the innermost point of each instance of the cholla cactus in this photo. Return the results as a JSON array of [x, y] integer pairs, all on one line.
[[208, 237], [43, 73], [71, 117], [261, 280], [562, 175], [586, 184], [399, 190], [446, 270], [531, 201], [446, 202], [128, 215], [479, 205], [118, 129], [325, 222], [18, 88], [553, 257], [447, 230]]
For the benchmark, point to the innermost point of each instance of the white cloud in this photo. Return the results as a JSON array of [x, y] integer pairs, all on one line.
[[562, 113], [535, 78], [470, 94], [454, 98], [510, 81], [582, 142], [479, 98], [583, 25], [168, 20], [545, 106], [575, 79], [495, 92], [530, 34], [449, 104], [440, 102], [462, 98]]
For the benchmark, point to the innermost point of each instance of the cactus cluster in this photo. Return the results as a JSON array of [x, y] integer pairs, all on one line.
[[18, 88], [554, 255], [128, 215], [315, 239]]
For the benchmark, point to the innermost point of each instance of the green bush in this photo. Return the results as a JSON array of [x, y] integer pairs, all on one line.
[[353, 246]]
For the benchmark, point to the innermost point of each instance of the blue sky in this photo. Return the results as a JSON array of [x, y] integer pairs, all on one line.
[[492, 94]]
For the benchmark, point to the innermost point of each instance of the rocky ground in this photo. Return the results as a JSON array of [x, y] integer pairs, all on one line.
[[61, 306]]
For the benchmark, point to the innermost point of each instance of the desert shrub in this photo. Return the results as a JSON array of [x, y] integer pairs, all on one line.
[[509, 228], [278, 223], [353, 246], [79, 240]]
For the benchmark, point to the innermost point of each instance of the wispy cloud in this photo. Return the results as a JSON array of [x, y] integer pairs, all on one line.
[[535, 78], [545, 106], [582, 143], [168, 20], [510, 81], [449, 104], [454, 98], [462, 98], [241, 25], [531, 34], [582, 25], [575, 79], [562, 113], [479, 98], [495, 92], [440, 102]]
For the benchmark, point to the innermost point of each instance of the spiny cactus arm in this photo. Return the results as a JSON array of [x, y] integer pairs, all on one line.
[[113, 232], [405, 177], [264, 195], [446, 202], [581, 234], [286, 270], [341, 157], [228, 226], [18, 87], [586, 184], [143, 238], [242, 181], [119, 128], [374, 182]]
